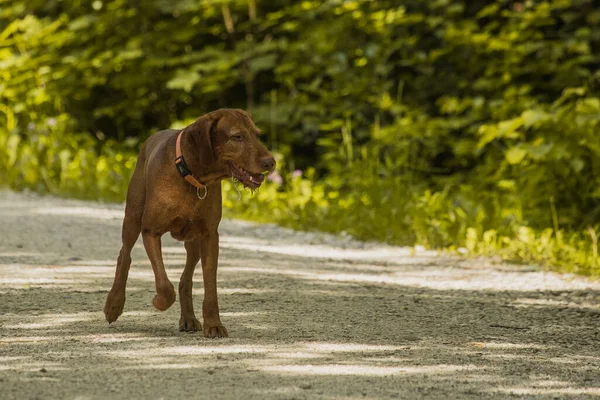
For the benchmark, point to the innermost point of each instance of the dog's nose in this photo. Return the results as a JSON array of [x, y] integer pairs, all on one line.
[[268, 163]]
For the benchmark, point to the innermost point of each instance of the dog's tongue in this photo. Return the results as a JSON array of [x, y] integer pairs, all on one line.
[[258, 178]]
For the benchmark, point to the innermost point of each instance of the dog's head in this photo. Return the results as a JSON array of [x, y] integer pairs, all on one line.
[[234, 145]]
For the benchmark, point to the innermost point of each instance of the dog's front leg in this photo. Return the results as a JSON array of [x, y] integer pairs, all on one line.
[[188, 321], [165, 292], [213, 327]]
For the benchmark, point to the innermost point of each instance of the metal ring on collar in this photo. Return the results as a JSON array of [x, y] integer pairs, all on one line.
[[205, 193]]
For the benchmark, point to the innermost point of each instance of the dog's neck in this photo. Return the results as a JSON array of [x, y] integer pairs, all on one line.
[[200, 159]]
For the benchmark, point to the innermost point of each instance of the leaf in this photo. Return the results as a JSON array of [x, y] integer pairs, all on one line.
[[386, 102], [509, 128], [82, 22], [332, 125], [183, 79], [534, 118], [506, 184], [489, 10], [515, 155], [538, 152], [570, 93], [577, 164], [488, 133], [13, 149], [262, 63], [590, 104], [130, 54]]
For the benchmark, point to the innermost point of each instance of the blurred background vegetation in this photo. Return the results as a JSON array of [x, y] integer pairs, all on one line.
[[465, 125]]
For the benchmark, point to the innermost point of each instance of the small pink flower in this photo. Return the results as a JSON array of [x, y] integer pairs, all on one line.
[[275, 177], [297, 173]]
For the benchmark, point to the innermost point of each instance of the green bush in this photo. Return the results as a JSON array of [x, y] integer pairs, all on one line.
[[451, 124]]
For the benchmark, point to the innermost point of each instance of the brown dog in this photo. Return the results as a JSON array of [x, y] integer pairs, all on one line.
[[176, 188]]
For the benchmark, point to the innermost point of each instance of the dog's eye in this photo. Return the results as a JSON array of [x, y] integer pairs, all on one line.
[[237, 138]]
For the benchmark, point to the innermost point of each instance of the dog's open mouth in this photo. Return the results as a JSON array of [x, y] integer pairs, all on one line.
[[248, 179]]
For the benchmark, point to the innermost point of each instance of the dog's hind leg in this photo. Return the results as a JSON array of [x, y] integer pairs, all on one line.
[[132, 225], [116, 297]]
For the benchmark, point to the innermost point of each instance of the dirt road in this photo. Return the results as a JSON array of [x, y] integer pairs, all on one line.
[[310, 316]]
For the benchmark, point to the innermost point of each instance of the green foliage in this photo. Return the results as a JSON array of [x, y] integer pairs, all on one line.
[[397, 212], [450, 124], [69, 165]]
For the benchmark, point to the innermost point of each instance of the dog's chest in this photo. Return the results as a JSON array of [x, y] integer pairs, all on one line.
[[189, 222], [183, 228]]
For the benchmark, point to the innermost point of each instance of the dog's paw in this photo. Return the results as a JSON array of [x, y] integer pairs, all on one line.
[[164, 298], [162, 303], [113, 307], [189, 324], [213, 332]]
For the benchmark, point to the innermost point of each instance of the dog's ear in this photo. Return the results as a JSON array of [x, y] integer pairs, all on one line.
[[202, 138]]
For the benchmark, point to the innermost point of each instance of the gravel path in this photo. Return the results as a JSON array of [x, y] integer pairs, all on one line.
[[310, 316]]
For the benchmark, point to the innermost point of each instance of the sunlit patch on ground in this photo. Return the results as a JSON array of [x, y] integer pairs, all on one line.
[[53, 321], [85, 212], [555, 392], [368, 370]]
